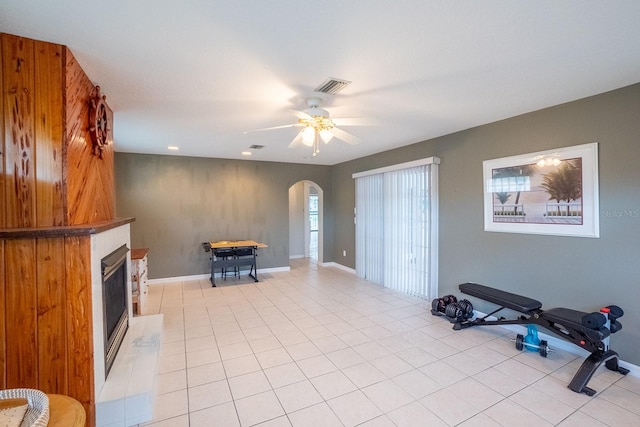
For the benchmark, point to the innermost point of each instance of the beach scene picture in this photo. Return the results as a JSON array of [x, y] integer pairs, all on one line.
[[548, 191]]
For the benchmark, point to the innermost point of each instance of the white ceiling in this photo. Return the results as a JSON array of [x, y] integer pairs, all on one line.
[[199, 73]]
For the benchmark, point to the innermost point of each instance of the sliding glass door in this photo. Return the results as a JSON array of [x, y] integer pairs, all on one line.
[[396, 227]]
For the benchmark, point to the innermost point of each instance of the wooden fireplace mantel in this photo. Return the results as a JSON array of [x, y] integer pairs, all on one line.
[[63, 231]]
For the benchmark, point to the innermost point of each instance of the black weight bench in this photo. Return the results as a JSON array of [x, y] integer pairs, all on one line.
[[586, 330]]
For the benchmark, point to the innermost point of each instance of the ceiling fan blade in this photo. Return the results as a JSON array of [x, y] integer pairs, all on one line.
[[296, 141], [274, 127], [345, 136]]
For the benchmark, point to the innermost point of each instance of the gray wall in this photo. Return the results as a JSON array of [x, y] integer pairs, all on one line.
[[579, 273], [180, 202]]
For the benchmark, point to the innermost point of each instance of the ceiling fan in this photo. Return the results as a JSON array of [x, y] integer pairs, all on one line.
[[317, 125]]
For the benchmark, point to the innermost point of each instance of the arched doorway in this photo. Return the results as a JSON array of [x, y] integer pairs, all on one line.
[[305, 220]]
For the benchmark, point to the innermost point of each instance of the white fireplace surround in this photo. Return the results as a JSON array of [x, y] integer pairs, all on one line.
[[102, 244], [126, 397]]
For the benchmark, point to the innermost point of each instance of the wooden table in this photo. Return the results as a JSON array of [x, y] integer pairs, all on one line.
[[224, 263], [65, 411]]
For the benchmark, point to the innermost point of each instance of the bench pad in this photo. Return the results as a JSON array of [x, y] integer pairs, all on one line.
[[502, 298], [565, 316]]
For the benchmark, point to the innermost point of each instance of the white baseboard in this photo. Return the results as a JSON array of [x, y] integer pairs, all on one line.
[[296, 256], [164, 280], [274, 270], [340, 266], [207, 276], [558, 343]]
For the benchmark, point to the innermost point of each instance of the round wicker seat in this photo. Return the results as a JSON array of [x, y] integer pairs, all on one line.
[[37, 414]]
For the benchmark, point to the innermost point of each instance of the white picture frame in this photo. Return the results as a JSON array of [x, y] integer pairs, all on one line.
[[553, 192]]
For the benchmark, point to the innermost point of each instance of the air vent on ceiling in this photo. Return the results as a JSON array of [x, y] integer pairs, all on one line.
[[332, 86], [257, 147]]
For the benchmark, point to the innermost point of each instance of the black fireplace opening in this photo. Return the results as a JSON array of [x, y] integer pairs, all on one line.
[[114, 303]]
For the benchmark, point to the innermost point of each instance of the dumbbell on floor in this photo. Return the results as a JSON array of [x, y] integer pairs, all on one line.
[[460, 310], [466, 307], [452, 308], [543, 347], [440, 304]]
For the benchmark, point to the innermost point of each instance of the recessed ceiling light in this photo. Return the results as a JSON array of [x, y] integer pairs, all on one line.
[[173, 147], [246, 153]]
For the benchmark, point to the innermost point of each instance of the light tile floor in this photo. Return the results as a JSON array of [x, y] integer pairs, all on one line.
[[317, 346]]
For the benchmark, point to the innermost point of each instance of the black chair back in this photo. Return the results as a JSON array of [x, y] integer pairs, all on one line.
[[244, 252], [223, 253]]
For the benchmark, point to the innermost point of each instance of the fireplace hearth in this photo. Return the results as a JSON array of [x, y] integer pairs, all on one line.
[[115, 302]]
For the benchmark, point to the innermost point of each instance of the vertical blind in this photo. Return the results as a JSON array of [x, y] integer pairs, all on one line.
[[396, 227], [369, 228]]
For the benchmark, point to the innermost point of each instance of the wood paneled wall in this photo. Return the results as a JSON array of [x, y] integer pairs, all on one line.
[[89, 180], [3, 175], [49, 135], [49, 177], [48, 339], [18, 75], [3, 322], [79, 323]]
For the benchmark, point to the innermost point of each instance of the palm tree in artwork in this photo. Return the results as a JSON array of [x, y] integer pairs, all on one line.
[[503, 197], [549, 184], [565, 183], [514, 171]]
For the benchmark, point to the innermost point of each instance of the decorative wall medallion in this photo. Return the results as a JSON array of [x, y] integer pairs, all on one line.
[[98, 122]]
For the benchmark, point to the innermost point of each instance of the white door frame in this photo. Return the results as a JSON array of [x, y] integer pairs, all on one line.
[[320, 192]]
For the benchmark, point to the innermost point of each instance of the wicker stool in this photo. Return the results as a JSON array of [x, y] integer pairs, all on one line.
[[37, 405]]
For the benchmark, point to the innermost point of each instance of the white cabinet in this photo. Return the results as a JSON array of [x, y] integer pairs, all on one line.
[[139, 276]]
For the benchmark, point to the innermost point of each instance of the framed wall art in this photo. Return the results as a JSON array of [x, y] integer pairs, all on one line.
[[552, 192]]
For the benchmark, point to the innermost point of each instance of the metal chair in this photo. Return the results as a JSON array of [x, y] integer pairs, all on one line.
[[224, 254], [241, 253]]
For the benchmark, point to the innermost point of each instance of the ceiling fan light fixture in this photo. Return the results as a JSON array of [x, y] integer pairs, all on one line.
[[315, 125], [308, 135]]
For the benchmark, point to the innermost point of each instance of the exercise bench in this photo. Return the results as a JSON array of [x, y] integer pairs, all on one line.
[[589, 331]]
